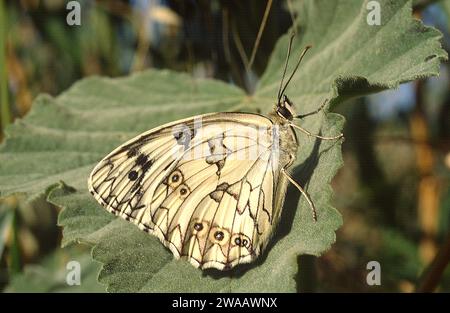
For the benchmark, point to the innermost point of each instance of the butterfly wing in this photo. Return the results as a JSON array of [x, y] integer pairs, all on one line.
[[204, 186]]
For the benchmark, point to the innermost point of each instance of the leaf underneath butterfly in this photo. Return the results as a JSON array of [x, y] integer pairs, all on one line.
[[63, 138]]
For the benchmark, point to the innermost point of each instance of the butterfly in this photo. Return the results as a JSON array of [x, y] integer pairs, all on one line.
[[210, 187]]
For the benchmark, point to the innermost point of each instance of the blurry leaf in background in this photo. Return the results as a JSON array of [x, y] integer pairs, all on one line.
[[159, 30], [62, 139], [402, 256], [51, 274], [28, 231]]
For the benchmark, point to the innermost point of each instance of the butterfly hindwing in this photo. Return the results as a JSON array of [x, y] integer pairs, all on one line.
[[205, 190]]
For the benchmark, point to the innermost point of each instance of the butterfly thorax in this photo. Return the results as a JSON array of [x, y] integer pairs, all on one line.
[[287, 139], [283, 114]]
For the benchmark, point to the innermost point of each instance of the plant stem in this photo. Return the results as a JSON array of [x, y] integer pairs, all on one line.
[[433, 274], [260, 31], [428, 189]]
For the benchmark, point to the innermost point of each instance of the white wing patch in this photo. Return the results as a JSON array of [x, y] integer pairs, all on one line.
[[206, 192]]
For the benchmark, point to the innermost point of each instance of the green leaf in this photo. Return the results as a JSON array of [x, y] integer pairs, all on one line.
[[50, 274], [352, 57], [63, 138]]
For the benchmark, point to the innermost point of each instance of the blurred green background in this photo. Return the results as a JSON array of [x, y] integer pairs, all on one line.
[[393, 191]]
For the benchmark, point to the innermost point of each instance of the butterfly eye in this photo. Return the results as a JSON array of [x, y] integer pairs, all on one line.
[[219, 235], [175, 179], [183, 191]]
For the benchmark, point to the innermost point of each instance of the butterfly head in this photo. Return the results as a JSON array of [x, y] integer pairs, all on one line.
[[285, 108]]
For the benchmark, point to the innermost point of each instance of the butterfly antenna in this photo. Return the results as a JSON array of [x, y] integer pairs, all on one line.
[[285, 65], [295, 70]]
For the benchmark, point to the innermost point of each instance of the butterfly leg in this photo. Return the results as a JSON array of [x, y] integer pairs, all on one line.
[[316, 136], [313, 112], [303, 192]]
